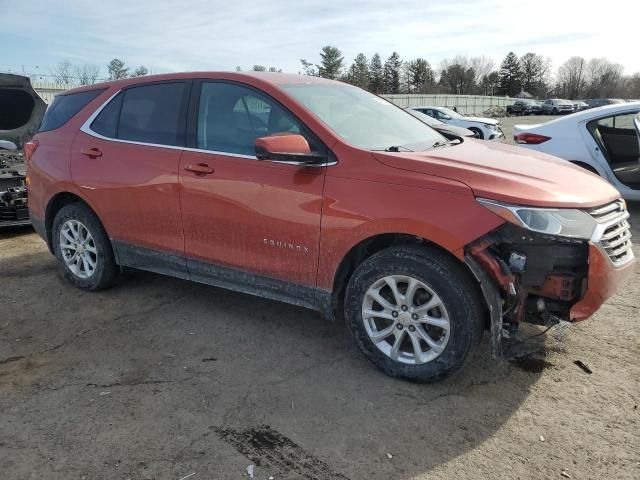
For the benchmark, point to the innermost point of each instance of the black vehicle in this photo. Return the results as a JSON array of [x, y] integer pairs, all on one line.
[[524, 107]]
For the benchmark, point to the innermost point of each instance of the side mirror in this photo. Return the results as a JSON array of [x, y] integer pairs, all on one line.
[[286, 148], [7, 145], [446, 117]]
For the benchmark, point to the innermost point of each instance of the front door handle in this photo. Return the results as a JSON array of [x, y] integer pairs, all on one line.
[[91, 152], [199, 169]]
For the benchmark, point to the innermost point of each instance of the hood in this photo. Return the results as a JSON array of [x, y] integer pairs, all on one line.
[[510, 174], [480, 120]]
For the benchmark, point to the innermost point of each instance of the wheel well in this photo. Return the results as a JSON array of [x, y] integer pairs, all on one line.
[[586, 166], [60, 200], [365, 249]]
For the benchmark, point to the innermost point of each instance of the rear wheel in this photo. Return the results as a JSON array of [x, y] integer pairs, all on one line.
[[83, 249], [477, 133], [414, 313]]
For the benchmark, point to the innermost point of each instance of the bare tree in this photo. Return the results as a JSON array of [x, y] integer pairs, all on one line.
[[482, 66], [308, 68], [62, 73], [86, 74], [571, 78], [603, 78]]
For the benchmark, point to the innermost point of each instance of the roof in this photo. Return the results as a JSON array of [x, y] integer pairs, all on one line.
[[249, 77]]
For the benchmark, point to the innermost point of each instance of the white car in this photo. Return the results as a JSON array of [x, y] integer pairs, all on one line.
[[604, 140], [483, 128]]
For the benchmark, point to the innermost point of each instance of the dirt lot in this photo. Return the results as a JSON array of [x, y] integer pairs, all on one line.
[[160, 378]]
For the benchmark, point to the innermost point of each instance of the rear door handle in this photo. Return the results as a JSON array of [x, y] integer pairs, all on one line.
[[199, 169], [91, 152]]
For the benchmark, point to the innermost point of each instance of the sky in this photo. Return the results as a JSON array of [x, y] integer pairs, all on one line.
[[187, 35]]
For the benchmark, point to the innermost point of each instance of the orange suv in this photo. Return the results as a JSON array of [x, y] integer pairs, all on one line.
[[320, 194]]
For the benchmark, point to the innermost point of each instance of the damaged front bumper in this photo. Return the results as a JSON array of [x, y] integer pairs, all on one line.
[[543, 279]]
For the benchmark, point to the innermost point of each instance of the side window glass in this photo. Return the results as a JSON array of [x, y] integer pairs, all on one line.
[[624, 121], [151, 114], [606, 122], [232, 117], [106, 123]]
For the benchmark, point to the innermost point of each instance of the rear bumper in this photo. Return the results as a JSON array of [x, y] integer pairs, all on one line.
[[603, 281]]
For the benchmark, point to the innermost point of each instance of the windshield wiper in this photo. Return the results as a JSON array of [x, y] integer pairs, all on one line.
[[440, 143], [397, 148]]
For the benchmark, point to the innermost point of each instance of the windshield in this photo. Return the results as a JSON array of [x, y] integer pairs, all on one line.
[[451, 113], [363, 119]]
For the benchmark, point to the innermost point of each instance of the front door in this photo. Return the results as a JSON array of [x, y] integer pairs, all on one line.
[[237, 211]]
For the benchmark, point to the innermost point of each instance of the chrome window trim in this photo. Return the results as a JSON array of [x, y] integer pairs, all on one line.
[[86, 128]]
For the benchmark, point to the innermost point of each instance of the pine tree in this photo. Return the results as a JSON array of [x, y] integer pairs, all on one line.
[[358, 74], [331, 62], [392, 70], [420, 75], [376, 73], [510, 76], [117, 70]]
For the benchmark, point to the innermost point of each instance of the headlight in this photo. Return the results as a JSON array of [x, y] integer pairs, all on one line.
[[490, 126], [565, 222]]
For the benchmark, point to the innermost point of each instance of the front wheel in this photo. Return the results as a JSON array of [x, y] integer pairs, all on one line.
[[414, 312], [477, 133]]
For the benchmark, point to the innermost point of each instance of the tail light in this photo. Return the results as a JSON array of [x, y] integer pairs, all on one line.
[[530, 138], [30, 149]]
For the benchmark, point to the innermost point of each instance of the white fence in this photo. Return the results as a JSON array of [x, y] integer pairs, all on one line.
[[466, 104], [49, 90]]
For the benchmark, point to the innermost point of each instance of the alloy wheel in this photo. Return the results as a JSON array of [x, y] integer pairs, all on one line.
[[406, 319], [78, 249]]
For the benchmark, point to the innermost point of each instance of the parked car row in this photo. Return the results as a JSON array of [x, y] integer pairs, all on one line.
[[558, 106]]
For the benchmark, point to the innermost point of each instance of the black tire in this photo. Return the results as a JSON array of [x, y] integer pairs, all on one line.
[[448, 279], [477, 133], [554, 111], [106, 270]]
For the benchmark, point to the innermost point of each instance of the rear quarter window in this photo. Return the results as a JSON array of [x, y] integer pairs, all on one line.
[[64, 107]]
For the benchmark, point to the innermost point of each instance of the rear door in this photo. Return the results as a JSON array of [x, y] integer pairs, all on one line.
[[240, 212], [125, 161]]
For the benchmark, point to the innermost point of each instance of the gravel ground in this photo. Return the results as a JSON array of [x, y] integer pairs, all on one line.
[[160, 378]]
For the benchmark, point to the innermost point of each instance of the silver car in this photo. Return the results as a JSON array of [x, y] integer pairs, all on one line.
[[557, 106]]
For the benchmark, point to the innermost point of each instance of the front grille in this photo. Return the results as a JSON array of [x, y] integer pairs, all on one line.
[[613, 233]]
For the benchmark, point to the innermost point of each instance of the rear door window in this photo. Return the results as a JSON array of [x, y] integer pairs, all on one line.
[[153, 114], [64, 107]]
